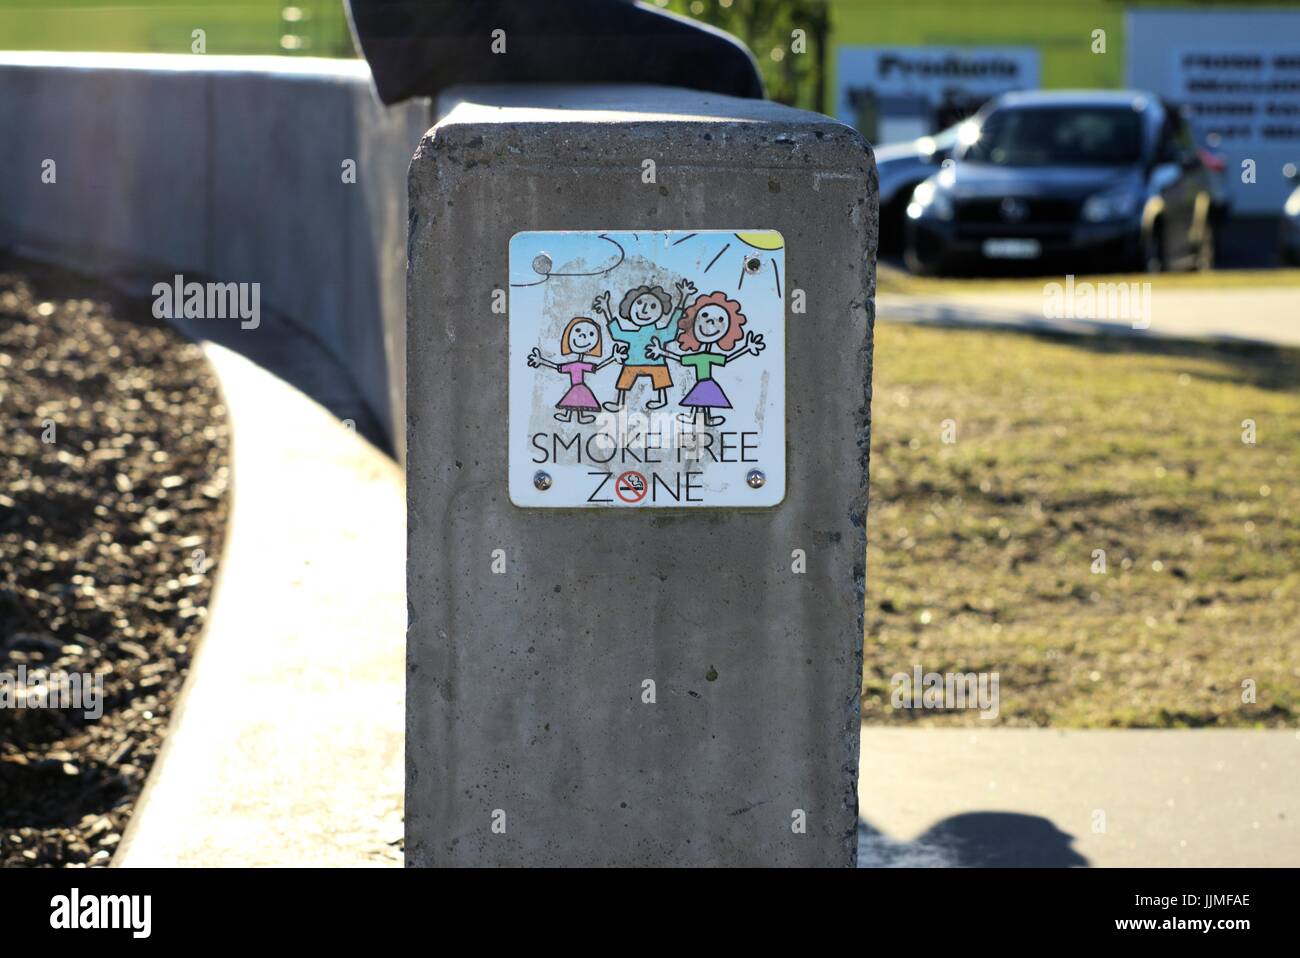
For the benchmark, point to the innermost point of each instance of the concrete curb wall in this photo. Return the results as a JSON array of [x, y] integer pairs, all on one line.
[[306, 632], [226, 169]]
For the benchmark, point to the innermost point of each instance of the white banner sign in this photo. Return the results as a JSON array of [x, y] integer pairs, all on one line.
[[1236, 75], [880, 87]]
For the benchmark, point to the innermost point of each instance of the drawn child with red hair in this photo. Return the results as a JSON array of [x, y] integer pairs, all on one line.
[[706, 337], [581, 340]]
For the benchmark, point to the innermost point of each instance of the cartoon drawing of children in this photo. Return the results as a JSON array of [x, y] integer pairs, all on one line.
[[711, 321], [581, 339], [642, 311]]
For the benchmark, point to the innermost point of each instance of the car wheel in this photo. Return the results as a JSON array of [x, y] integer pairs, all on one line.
[[1287, 255], [1205, 251], [1151, 256], [892, 220], [917, 264]]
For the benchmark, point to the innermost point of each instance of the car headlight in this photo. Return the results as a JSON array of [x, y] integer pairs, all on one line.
[[1110, 205], [927, 201], [1292, 207]]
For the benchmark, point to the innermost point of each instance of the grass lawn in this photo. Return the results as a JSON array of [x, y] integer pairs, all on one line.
[[891, 279], [980, 552]]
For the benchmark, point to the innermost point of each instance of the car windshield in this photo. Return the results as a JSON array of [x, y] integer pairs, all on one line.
[[1058, 136]]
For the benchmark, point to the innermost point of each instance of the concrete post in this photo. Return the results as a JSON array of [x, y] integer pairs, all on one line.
[[622, 684]]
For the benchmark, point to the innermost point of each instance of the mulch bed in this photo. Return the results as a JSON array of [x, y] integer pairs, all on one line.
[[114, 476]]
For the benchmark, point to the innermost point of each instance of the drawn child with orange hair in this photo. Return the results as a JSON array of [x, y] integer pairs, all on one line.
[[706, 337], [581, 340]]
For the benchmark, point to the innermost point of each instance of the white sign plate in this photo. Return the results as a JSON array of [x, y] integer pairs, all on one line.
[[647, 369]]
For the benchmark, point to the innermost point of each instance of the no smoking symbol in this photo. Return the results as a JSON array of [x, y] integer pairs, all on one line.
[[631, 487]]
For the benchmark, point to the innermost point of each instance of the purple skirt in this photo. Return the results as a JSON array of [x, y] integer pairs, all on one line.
[[707, 393], [579, 397]]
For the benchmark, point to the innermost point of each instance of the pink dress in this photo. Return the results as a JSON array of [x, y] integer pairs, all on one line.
[[579, 395]]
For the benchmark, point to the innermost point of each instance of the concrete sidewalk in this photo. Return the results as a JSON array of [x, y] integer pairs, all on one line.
[[1040, 797], [287, 749], [1261, 315]]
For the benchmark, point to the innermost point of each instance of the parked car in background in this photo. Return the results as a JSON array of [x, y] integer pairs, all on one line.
[[1091, 179], [1289, 241], [900, 167]]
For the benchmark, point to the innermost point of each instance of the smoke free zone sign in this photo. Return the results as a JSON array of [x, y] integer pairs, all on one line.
[[647, 369]]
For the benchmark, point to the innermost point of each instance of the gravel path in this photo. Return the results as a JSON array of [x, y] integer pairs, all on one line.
[[114, 468]]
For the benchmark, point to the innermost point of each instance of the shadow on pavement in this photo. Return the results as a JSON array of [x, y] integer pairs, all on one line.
[[973, 840], [1262, 365]]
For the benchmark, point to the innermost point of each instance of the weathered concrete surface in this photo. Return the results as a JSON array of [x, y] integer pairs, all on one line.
[[524, 689], [1127, 798], [225, 168], [287, 746]]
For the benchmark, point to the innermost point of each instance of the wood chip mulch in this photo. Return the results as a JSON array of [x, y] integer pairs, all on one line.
[[114, 476]]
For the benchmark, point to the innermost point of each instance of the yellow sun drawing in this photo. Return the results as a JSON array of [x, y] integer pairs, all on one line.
[[762, 239]]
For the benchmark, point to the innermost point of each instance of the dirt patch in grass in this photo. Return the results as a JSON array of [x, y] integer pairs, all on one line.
[[982, 551], [114, 468]]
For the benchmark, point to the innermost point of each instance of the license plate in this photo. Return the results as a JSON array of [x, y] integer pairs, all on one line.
[[1012, 248], [646, 369]]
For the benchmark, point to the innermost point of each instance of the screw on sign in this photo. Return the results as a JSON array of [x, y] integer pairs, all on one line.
[[631, 486]]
